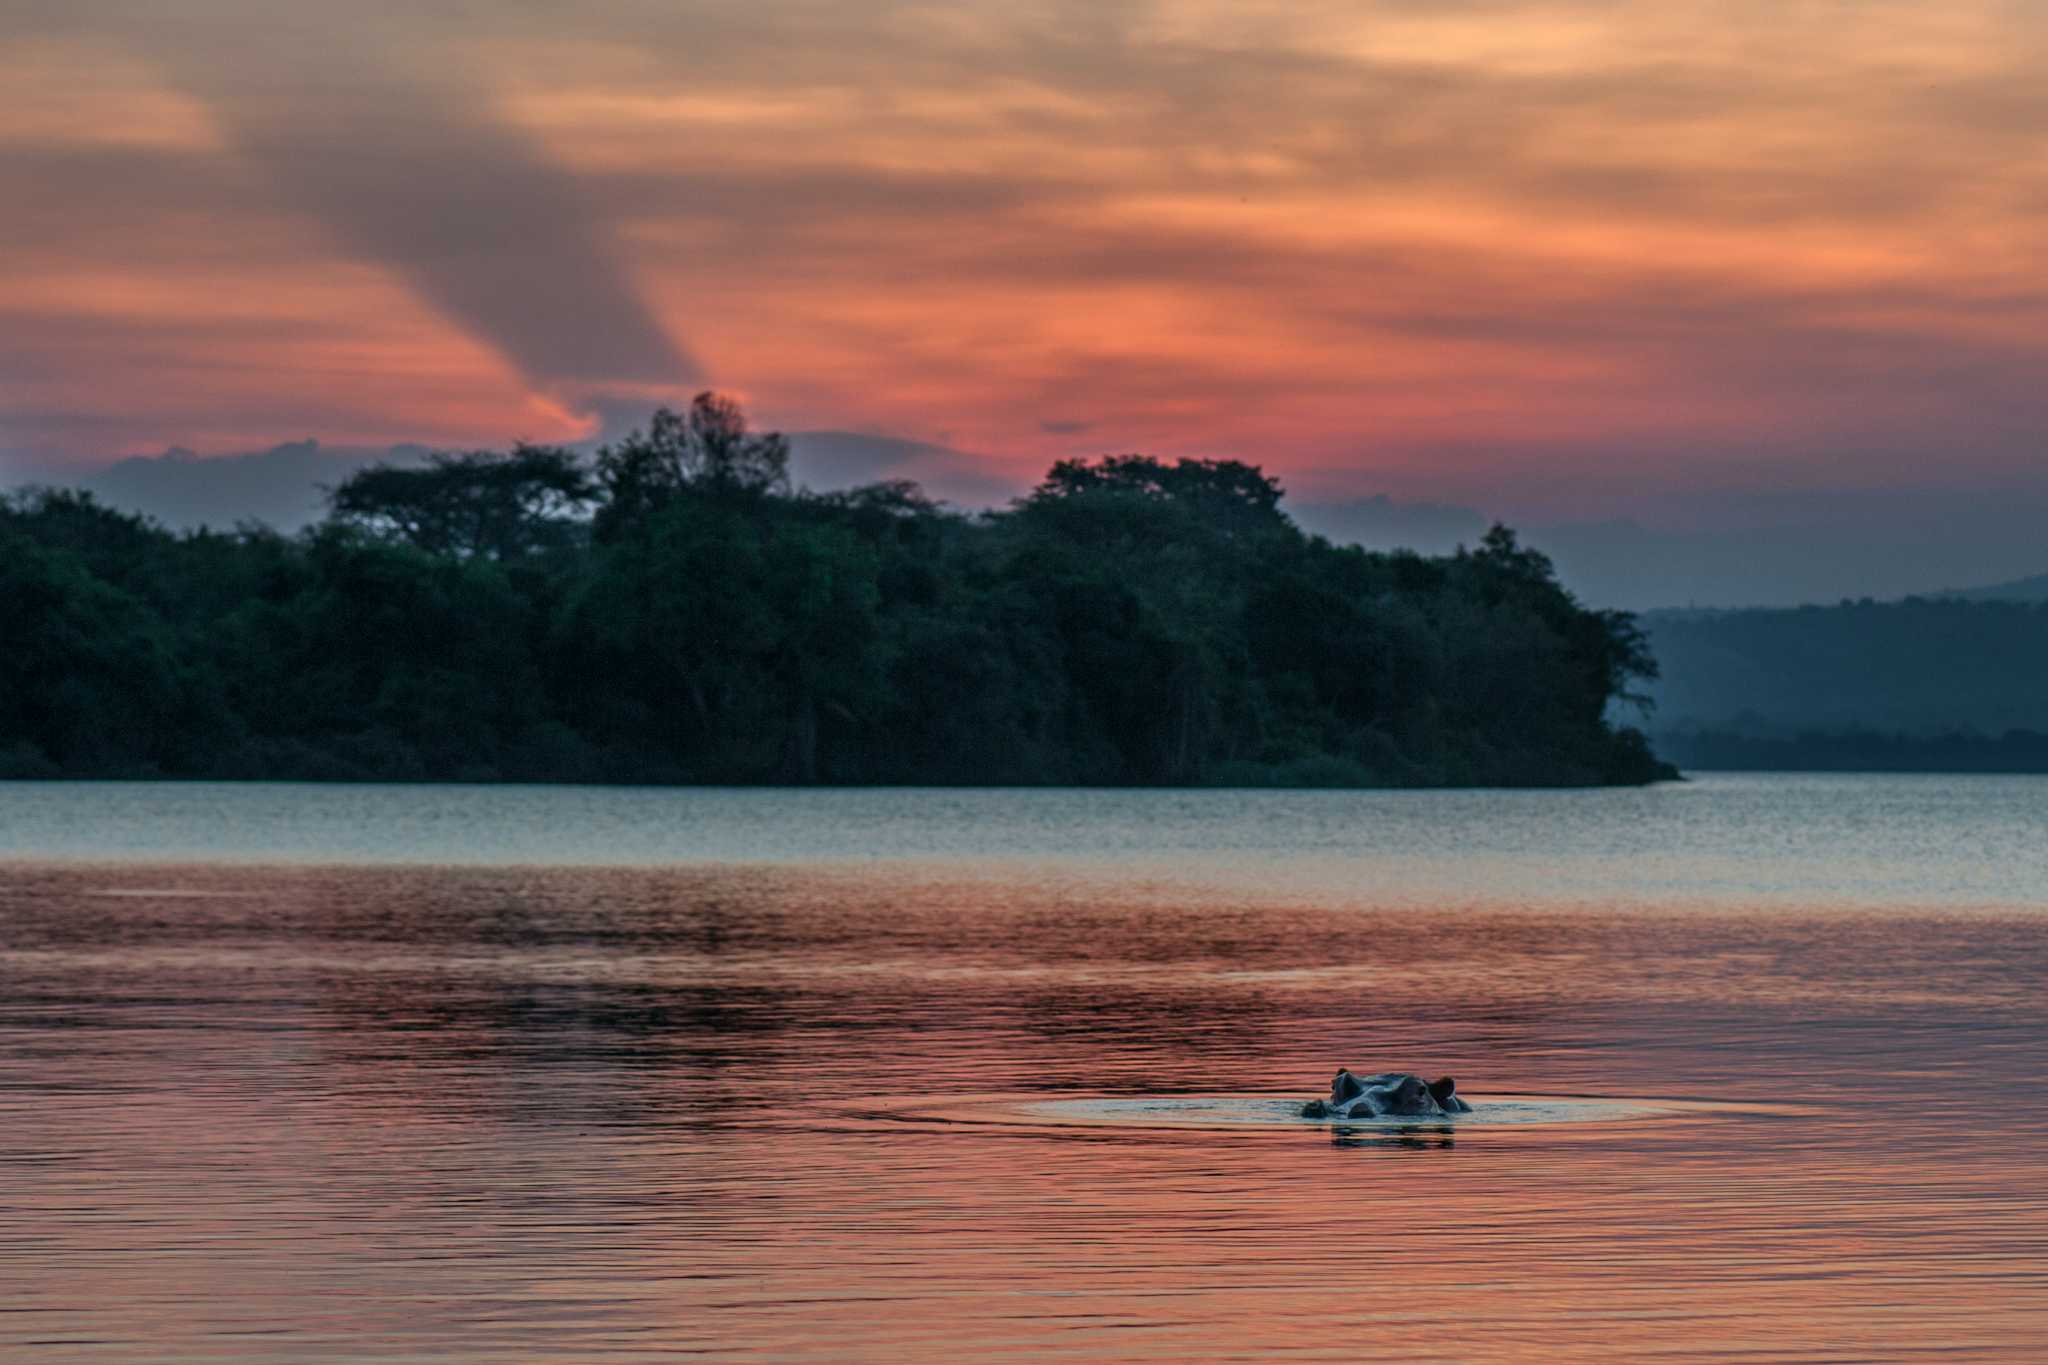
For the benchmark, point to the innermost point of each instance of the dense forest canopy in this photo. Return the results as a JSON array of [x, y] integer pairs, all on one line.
[[675, 612]]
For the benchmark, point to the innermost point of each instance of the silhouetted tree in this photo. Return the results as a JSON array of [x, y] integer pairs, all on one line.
[[474, 504], [1501, 549], [1230, 495], [709, 450]]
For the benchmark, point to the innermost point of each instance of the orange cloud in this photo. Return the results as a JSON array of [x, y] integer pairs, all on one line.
[[1505, 244]]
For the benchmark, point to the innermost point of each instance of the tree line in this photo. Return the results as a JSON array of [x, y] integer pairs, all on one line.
[[676, 611], [1859, 751]]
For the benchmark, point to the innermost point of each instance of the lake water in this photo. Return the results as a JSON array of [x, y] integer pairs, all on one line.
[[488, 1074]]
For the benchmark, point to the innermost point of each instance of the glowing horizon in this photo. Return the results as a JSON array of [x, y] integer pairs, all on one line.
[[1546, 250]]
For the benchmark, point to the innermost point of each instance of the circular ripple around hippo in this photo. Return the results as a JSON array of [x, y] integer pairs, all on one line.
[[1276, 1113]]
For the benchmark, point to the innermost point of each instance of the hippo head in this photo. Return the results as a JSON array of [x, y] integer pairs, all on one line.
[[1385, 1095]]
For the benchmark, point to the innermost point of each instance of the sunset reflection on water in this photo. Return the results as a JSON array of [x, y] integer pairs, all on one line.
[[476, 1113]]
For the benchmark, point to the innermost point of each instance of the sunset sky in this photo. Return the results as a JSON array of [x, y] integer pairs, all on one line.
[[1556, 259]]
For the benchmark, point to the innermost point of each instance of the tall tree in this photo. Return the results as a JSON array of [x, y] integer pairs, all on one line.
[[474, 504], [709, 449]]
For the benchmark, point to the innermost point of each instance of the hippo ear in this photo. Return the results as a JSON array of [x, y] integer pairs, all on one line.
[[1442, 1090]]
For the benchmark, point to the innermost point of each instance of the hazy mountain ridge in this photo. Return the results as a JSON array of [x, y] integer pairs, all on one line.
[[1776, 552], [284, 486], [2034, 589], [1939, 683]]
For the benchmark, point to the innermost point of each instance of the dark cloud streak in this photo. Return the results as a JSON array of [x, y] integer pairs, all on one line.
[[405, 169]]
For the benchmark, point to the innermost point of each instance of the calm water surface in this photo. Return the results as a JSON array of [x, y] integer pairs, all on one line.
[[486, 1074]]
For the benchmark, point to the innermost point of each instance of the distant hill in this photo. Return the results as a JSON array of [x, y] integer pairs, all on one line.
[[1921, 666], [284, 487], [1948, 683], [1808, 548], [2033, 589], [1740, 551]]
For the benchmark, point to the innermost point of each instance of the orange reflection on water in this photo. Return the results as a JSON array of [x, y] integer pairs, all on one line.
[[558, 1114]]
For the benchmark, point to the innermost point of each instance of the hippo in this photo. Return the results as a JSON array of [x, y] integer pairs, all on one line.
[[1391, 1094]]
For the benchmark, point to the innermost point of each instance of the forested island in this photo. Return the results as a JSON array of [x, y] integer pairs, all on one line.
[[673, 611]]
